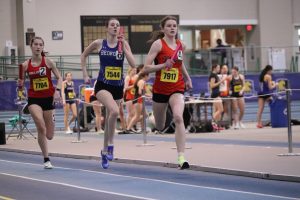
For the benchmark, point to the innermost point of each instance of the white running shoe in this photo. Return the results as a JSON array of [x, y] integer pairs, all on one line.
[[69, 131], [242, 125], [48, 165], [236, 126]]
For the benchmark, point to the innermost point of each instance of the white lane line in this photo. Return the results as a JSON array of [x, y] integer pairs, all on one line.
[[161, 181], [75, 186], [5, 198]]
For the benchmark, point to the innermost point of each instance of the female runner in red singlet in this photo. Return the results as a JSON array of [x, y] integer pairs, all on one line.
[[41, 94], [129, 93], [171, 79]]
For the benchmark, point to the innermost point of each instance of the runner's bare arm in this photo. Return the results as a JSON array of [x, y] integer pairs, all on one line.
[[24, 69], [149, 67], [187, 78], [55, 71], [128, 54], [96, 44]]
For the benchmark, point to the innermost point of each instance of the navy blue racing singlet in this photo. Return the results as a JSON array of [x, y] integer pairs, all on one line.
[[111, 65]]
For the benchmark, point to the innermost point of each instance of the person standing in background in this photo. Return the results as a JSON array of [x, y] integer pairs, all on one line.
[[237, 87], [129, 92], [139, 91], [97, 111], [214, 84], [266, 88], [224, 92], [68, 98]]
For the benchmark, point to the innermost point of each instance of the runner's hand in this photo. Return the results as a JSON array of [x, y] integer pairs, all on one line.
[[20, 83], [87, 80], [188, 84], [57, 97], [169, 64]]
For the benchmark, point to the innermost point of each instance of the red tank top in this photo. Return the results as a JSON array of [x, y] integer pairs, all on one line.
[[40, 80], [130, 93], [168, 81]]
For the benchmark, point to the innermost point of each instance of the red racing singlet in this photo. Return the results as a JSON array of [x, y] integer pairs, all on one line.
[[40, 80], [130, 93], [168, 81]]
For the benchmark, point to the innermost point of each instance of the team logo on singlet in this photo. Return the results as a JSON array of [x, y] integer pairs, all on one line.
[[119, 55], [179, 55], [42, 71]]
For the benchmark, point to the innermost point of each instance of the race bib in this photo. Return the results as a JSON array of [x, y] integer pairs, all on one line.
[[113, 73], [40, 84], [170, 75], [71, 95], [132, 91], [237, 88]]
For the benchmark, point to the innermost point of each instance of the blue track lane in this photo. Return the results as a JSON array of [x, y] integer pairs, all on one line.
[[23, 177]]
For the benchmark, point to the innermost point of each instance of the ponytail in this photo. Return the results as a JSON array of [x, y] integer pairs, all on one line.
[[141, 75], [264, 72], [155, 35]]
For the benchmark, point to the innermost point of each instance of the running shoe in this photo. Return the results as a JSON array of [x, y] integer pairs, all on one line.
[[69, 131], [259, 126], [48, 165], [110, 152], [156, 132], [215, 127], [242, 125], [236, 126], [129, 131], [182, 163], [104, 159]]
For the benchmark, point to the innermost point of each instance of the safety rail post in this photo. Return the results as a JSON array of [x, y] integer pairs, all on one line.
[[290, 134], [144, 128], [290, 137], [78, 124]]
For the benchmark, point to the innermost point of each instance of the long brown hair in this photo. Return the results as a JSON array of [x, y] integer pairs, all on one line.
[[140, 77], [158, 34], [264, 72]]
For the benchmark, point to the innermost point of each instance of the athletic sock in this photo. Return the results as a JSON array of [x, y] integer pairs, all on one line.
[[181, 160], [46, 159]]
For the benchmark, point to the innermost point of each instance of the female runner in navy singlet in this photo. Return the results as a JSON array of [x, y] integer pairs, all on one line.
[[110, 81]]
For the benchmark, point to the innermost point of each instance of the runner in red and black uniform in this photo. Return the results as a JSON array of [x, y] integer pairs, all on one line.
[[41, 94], [139, 91], [171, 79], [129, 93]]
